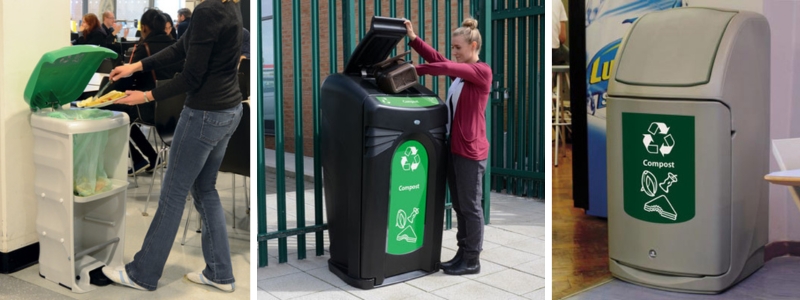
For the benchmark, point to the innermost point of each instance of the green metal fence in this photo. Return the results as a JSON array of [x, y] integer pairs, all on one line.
[[517, 140], [345, 34]]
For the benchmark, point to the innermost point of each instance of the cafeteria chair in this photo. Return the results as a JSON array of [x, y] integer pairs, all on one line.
[[105, 67], [785, 151], [236, 161], [244, 78], [167, 113]]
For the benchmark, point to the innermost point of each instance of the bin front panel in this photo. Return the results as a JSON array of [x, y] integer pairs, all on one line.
[[642, 232], [407, 194], [658, 167]]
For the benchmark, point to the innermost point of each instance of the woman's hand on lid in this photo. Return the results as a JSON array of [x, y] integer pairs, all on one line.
[[410, 30]]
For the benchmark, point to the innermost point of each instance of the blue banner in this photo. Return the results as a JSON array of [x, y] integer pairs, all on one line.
[[607, 21]]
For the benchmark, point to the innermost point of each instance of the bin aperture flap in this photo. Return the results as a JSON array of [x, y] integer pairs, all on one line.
[[61, 75], [383, 36], [673, 49]]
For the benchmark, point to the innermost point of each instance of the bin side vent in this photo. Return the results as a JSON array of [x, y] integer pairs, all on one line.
[[378, 140]]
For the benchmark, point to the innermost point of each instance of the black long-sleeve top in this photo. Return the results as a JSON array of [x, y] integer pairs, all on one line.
[[95, 37], [211, 47]]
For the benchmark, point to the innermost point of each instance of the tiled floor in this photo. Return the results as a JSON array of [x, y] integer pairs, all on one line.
[[776, 280], [26, 284], [512, 263]]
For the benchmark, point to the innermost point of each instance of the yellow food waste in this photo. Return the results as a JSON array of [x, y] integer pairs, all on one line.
[[92, 101]]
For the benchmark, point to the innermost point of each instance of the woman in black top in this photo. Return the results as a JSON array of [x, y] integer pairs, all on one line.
[[152, 42], [92, 33], [212, 111], [170, 28]]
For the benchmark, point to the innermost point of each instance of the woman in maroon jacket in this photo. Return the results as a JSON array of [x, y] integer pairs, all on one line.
[[469, 148]]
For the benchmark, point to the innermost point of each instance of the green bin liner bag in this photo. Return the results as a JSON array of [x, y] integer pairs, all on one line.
[[88, 152]]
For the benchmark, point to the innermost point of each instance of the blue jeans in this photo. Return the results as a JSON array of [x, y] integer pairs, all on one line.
[[195, 155]]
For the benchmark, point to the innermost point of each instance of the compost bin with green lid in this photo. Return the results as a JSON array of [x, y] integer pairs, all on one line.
[[80, 160]]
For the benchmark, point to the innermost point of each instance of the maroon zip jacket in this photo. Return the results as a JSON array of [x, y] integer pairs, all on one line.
[[468, 131]]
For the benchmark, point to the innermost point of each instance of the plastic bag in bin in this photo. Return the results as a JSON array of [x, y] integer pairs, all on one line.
[[88, 152]]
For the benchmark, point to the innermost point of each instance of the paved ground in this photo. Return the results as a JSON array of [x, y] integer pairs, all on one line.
[[512, 263]]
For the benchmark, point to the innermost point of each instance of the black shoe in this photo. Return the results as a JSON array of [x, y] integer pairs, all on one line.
[[153, 167], [455, 260], [138, 167], [464, 267]]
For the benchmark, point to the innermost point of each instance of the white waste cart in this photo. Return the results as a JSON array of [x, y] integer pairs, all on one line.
[[80, 159]]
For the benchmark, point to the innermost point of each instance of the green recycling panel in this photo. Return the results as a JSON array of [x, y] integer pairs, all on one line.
[[409, 101], [658, 167], [408, 189]]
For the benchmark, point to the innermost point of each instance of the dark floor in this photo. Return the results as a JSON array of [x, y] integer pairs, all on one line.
[[778, 279], [580, 242]]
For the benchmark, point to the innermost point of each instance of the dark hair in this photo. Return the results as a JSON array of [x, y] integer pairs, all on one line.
[[154, 21], [91, 24], [173, 33], [185, 12]]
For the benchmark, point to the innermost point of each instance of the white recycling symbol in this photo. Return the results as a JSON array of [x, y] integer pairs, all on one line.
[[410, 159], [661, 130]]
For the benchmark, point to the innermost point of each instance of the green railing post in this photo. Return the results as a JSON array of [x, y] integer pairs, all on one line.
[[435, 39], [485, 19], [332, 36], [407, 8], [362, 26], [320, 250], [541, 153], [512, 87], [448, 202], [522, 123], [300, 195], [393, 14], [421, 31], [280, 165], [261, 193], [348, 27], [534, 91]]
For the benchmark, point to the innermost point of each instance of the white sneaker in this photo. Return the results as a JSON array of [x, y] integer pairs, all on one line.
[[197, 277], [120, 276]]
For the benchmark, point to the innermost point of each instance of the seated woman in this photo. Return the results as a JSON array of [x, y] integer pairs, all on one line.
[[154, 39], [170, 28], [91, 32]]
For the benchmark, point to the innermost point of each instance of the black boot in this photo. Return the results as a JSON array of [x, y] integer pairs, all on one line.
[[466, 266], [455, 260]]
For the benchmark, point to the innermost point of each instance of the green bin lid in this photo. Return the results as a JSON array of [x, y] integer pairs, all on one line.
[[61, 75]]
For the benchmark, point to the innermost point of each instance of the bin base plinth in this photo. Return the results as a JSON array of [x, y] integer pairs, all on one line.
[[369, 283], [685, 284]]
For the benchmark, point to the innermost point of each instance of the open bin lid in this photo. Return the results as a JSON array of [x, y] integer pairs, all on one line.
[[61, 75], [383, 36]]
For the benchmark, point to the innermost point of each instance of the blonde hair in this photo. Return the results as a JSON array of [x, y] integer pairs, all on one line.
[[469, 29]]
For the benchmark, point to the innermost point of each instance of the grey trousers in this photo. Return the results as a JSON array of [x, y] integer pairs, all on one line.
[[465, 178]]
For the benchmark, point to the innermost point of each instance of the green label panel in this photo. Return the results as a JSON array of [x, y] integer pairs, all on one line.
[[409, 101], [658, 167], [409, 186]]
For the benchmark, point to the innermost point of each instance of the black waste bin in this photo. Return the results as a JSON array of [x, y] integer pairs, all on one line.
[[383, 159]]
